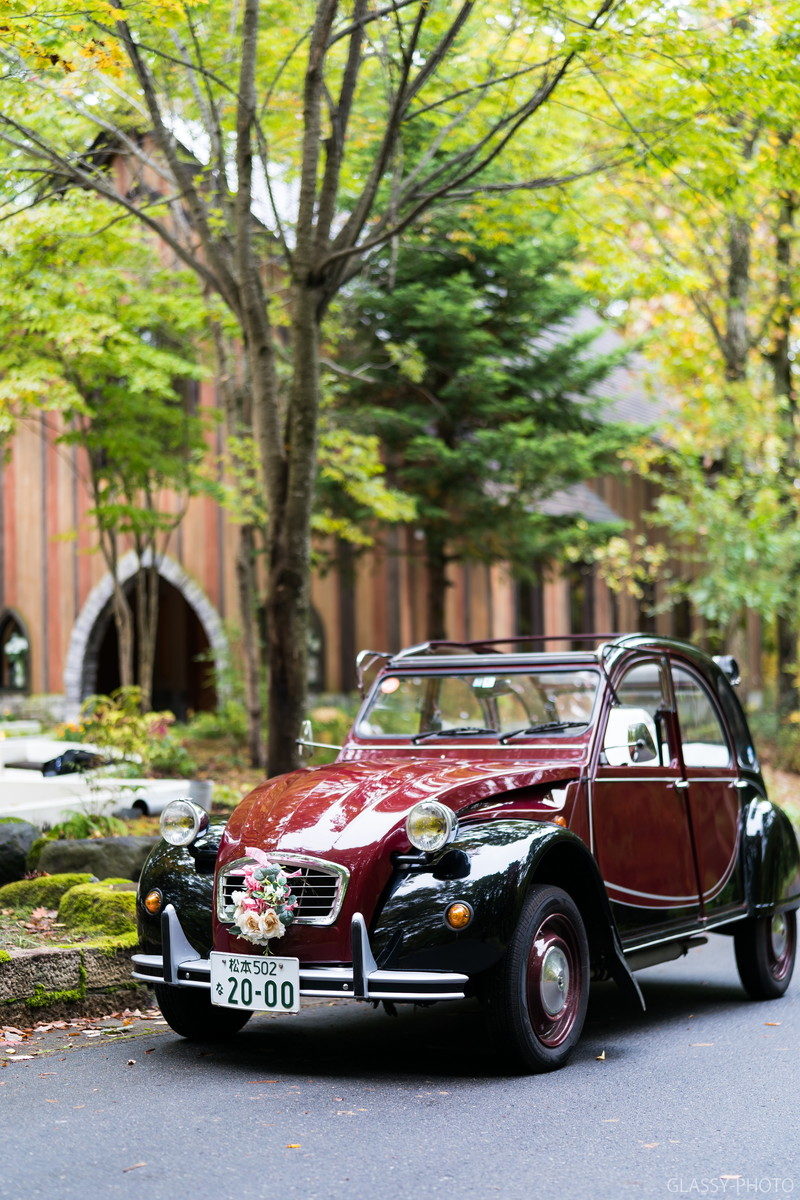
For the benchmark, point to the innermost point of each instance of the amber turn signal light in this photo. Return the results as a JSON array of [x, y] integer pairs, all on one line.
[[458, 915], [560, 821], [153, 901]]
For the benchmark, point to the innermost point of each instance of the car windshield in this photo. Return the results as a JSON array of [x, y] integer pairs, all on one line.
[[524, 703]]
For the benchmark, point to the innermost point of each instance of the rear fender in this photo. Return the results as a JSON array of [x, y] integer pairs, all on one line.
[[492, 868], [771, 858]]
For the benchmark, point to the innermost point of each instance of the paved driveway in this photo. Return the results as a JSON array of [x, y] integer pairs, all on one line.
[[698, 1097]]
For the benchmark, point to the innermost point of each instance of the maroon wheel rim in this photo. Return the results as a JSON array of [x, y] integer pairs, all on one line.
[[781, 937], [554, 979]]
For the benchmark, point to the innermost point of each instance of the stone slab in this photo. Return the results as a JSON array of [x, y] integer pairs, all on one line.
[[30, 970], [104, 969]]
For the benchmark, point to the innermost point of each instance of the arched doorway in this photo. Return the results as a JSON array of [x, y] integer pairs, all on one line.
[[182, 671], [92, 627]]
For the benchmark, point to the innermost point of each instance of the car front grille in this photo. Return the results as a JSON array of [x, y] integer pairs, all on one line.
[[317, 886]]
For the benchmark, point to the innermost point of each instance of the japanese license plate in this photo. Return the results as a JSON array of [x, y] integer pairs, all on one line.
[[259, 984]]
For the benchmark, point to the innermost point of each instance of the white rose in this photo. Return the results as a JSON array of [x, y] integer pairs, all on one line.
[[271, 924], [249, 923]]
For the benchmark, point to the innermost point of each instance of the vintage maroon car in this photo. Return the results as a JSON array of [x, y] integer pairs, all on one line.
[[500, 825]]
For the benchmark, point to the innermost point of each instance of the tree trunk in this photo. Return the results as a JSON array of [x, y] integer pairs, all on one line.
[[123, 619], [436, 569], [786, 638], [737, 339], [291, 502], [239, 406], [781, 361], [251, 651], [146, 627]]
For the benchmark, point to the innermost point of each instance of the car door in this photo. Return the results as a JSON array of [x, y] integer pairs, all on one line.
[[709, 766], [640, 819]]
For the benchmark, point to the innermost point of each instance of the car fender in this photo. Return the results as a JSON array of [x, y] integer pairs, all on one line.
[[185, 877], [771, 858], [492, 867]]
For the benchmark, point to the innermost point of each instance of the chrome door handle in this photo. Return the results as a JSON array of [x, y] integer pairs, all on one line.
[[739, 783], [681, 783]]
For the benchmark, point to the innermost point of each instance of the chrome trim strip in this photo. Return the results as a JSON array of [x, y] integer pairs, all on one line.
[[696, 930], [692, 899], [289, 859]]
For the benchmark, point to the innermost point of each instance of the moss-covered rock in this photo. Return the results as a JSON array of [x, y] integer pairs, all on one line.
[[5, 956], [45, 892], [94, 906]]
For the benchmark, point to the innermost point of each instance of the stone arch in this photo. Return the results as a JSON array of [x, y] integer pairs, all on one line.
[[89, 627]]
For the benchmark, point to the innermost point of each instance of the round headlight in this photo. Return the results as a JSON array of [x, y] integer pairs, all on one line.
[[181, 821], [429, 825]]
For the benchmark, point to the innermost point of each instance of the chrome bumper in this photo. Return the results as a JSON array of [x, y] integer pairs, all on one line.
[[181, 966]]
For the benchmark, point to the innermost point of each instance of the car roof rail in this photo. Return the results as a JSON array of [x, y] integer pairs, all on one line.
[[488, 645]]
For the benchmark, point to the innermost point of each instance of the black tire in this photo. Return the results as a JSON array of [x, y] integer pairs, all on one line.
[[766, 948], [536, 998], [190, 1013]]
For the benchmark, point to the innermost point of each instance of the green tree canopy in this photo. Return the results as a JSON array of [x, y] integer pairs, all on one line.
[[481, 389]]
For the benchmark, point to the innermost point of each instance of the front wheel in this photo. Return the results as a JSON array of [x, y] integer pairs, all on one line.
[[190, 1013], [537, 997], [765, 950]]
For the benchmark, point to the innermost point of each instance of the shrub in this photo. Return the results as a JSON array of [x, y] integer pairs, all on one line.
[[117, 723], [95, 906], [86, 825], [227, 797], [171, 758], [229, 721], [44, 892]]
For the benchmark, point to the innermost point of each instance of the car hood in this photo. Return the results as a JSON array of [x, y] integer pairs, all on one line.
[[342, 810]]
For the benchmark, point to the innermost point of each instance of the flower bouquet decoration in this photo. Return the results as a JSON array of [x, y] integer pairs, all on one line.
[[264, 909]]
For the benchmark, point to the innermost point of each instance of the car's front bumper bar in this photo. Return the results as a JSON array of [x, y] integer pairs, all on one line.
[[181, 966]]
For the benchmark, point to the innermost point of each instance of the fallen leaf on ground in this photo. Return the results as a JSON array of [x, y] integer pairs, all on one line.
[[134, 1167], [649, 1145], [131, 1062], [772, 1022], [601, 1057], [293, 1146], [610, 1120], [702, 1043]]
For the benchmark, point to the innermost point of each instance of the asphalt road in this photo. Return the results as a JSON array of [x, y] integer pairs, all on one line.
[[698, 1097]]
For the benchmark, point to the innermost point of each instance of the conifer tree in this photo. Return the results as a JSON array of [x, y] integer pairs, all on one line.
[[480, 384]]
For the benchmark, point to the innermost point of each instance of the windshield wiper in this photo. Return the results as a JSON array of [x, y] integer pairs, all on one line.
[[457, 732], [542, 727]]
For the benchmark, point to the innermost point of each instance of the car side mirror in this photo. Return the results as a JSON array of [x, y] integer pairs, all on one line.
[[641, 746], [305, 743]]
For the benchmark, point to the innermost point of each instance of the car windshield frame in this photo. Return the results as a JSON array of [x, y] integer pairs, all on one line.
[[432, 737]]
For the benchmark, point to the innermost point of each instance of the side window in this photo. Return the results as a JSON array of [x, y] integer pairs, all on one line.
[[702, 736], [636, 733]]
